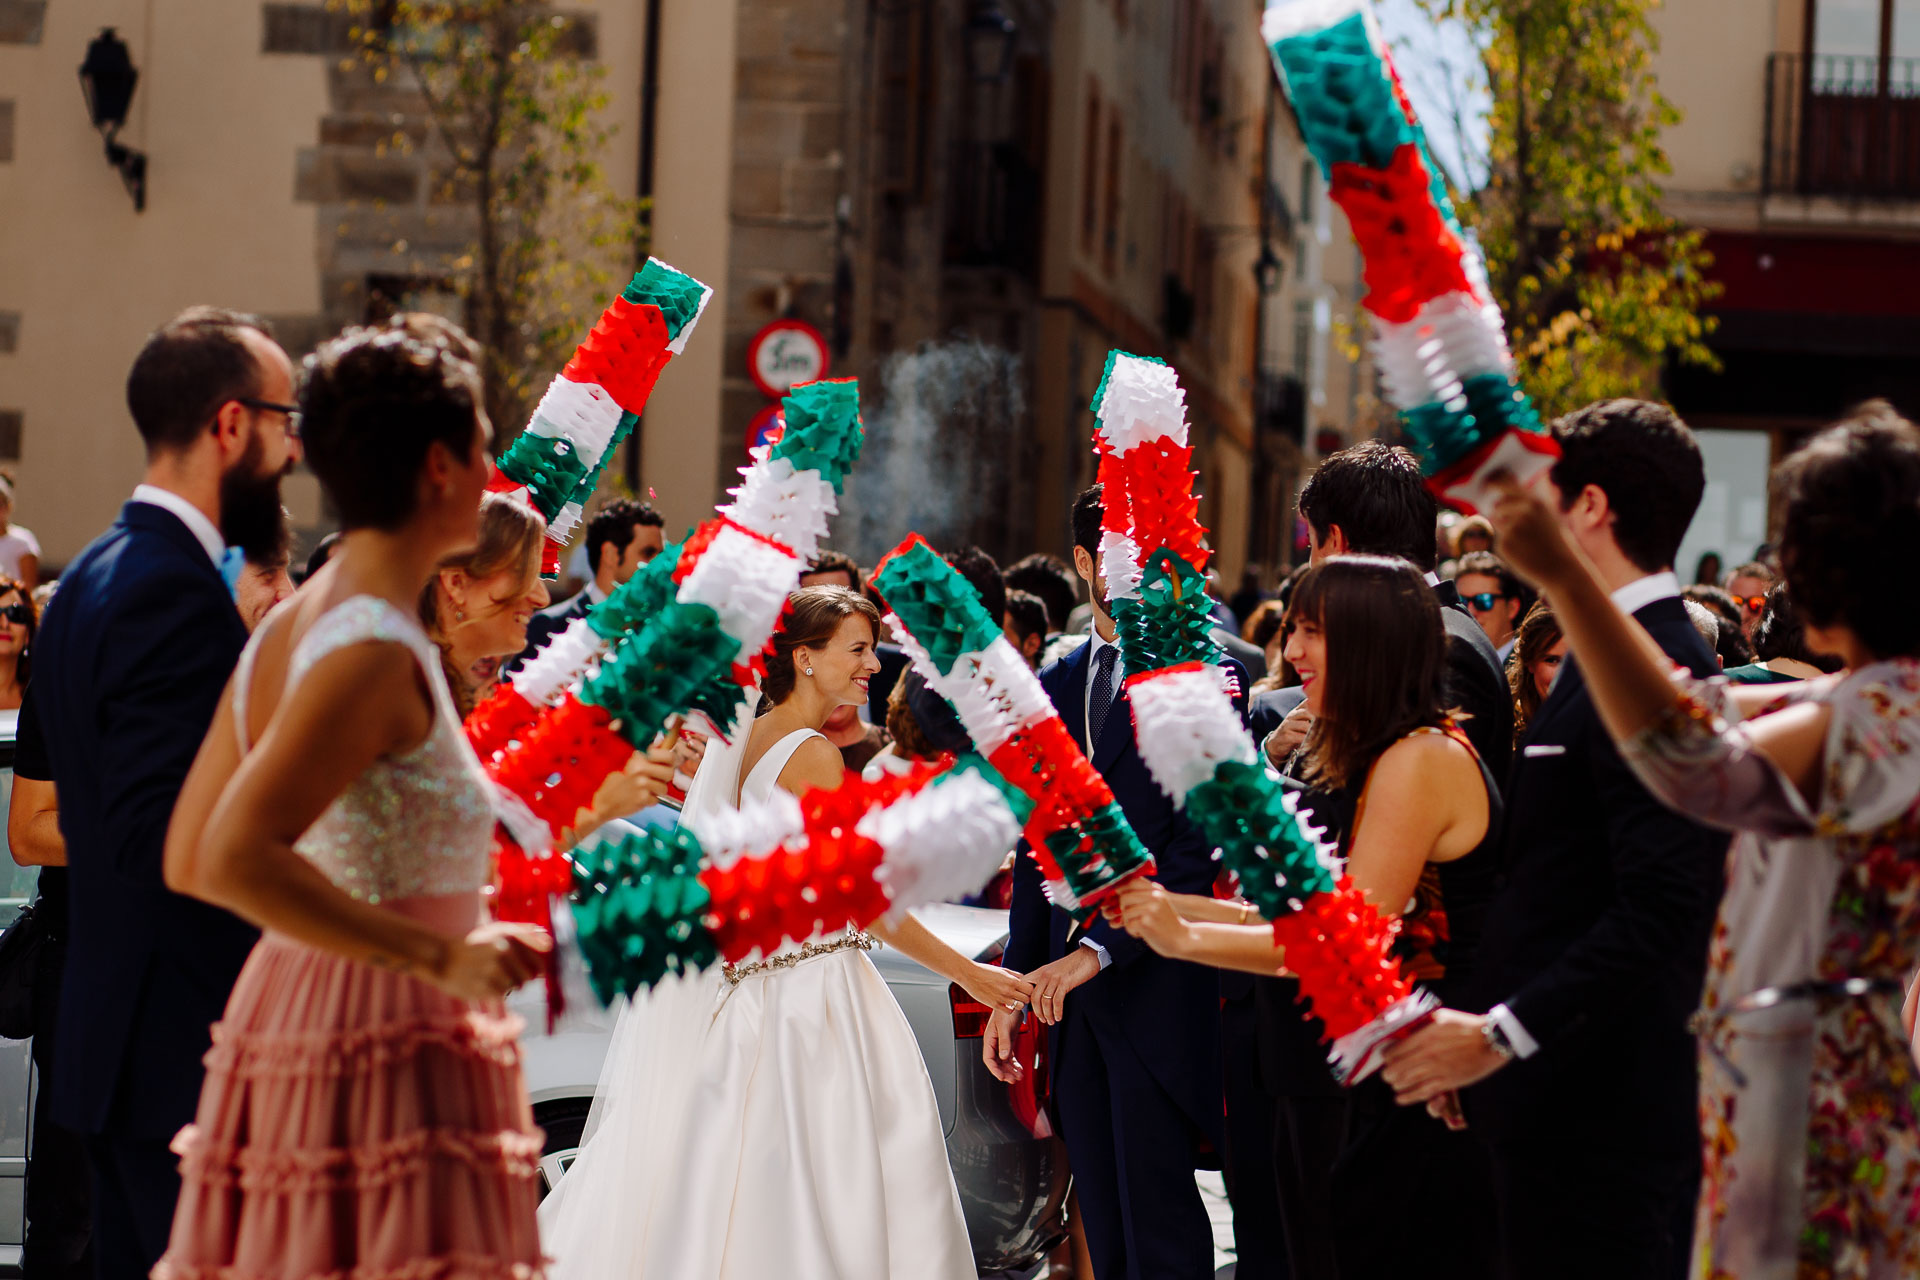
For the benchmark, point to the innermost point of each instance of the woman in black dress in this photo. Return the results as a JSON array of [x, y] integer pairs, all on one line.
[[1368, 1189]]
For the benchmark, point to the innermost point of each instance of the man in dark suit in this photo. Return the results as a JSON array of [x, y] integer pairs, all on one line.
[[128, 669], [1136, 1065], [623, 536], [1370, 500], [1594, 951]]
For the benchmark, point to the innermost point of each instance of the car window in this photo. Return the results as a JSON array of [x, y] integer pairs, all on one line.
[[16, 882]]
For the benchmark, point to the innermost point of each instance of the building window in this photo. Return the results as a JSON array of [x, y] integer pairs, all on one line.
[[1111, 242], [12, 422], [1090, 171], [905, 49], [1204, 255], [1860, 46]]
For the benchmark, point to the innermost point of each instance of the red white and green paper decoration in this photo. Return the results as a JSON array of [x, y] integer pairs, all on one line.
[[592, 406], [571, 656], [695, 629], [786, 870], [1439, 344], [1079, 837], [1335, 941], [1152, 547]]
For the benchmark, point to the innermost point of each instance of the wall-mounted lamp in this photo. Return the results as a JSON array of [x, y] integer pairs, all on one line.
[[991, 36], [107, 78], [1266, 269]]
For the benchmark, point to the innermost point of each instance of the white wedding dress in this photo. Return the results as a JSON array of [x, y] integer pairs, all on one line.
[[779, 1123]]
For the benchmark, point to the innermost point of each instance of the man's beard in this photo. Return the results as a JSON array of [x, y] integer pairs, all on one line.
[[250, 506]]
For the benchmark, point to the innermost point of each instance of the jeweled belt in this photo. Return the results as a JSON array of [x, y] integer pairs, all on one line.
[[738, 973]]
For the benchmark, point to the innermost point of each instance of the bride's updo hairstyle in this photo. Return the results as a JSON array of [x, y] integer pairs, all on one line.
[[372, 402], [814, 615]]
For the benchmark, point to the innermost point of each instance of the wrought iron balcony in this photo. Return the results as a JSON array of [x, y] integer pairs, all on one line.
[[1843, 126]]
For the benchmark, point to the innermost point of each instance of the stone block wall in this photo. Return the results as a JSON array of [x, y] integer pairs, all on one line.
[[790, 171]]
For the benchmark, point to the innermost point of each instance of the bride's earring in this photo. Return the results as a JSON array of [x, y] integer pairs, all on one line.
[[809, 670]]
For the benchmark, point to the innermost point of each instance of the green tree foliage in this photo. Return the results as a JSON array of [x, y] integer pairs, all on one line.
[[516, 133], [1599, 286]]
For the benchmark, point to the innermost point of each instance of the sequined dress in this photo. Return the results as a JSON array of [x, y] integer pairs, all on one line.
[[356, 1123]]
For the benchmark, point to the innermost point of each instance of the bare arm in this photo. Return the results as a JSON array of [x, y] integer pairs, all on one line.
[[1200, 908], [30, 572], [1147, 911], [991, 985], [33, 825], [231, 838]]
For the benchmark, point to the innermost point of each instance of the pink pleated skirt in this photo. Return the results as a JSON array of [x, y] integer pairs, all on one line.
[[356, 1124]]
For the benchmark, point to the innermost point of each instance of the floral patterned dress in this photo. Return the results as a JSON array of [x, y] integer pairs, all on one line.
[[1808, 1091]]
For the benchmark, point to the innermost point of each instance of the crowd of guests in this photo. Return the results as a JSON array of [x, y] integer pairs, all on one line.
[[1657, 1056]]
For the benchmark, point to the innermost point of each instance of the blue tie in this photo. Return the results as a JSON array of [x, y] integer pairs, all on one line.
[[1101, 700]]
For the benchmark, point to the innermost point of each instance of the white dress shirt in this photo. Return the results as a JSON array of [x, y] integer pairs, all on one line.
[[1641, 592], [1630, 599], [193, 517]]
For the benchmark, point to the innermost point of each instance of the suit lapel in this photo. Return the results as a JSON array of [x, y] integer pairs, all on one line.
[[1073, 685], [1115, 733]]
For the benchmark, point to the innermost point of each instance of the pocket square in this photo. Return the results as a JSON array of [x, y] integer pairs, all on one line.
[[1543, 749]]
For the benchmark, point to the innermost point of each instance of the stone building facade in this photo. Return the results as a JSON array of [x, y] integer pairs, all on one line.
[[971, 224]]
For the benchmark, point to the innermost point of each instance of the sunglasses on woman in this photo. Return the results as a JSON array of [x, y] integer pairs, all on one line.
[[19, 614]]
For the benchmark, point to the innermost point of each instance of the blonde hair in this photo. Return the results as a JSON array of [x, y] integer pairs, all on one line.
[[510, 536]]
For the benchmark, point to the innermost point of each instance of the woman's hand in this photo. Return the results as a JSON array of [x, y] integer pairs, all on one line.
[[1532, 538], [1146, 911], [638, 786], [689, 749], [492, 960], [997, 988]]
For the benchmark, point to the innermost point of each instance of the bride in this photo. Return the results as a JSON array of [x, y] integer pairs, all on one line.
[[775, 1118]]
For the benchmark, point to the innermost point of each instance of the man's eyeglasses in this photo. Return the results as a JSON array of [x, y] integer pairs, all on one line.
[[1752, 604], [18, 613], [289, 411], [1483, 600]]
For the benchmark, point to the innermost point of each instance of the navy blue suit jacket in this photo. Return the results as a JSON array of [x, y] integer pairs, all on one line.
[[128, 670], [1597, 940], [1166, 1010]]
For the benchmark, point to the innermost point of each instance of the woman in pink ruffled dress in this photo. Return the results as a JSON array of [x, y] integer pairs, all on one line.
[[364, 1113]]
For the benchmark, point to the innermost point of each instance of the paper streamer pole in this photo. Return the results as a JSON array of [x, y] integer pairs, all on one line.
[[659, 902], [1336, 942], [1438, 340], [1151, 539], [1079, 837], [693, 627], [592, 406]]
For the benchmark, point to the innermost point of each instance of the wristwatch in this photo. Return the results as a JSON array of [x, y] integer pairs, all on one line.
[[1497, 1040]]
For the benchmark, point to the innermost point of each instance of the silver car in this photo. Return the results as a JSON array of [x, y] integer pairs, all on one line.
[[1010, 1167]]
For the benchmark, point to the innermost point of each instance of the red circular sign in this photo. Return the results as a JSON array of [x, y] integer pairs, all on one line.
[[785, 354], [767, 427]]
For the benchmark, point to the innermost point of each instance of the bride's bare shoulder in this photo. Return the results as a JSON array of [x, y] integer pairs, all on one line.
[[814, 763]]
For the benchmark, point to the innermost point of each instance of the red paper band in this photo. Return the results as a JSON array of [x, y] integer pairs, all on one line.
[[1410, 253], [1341, 948], [503, 716], [624, 354]]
